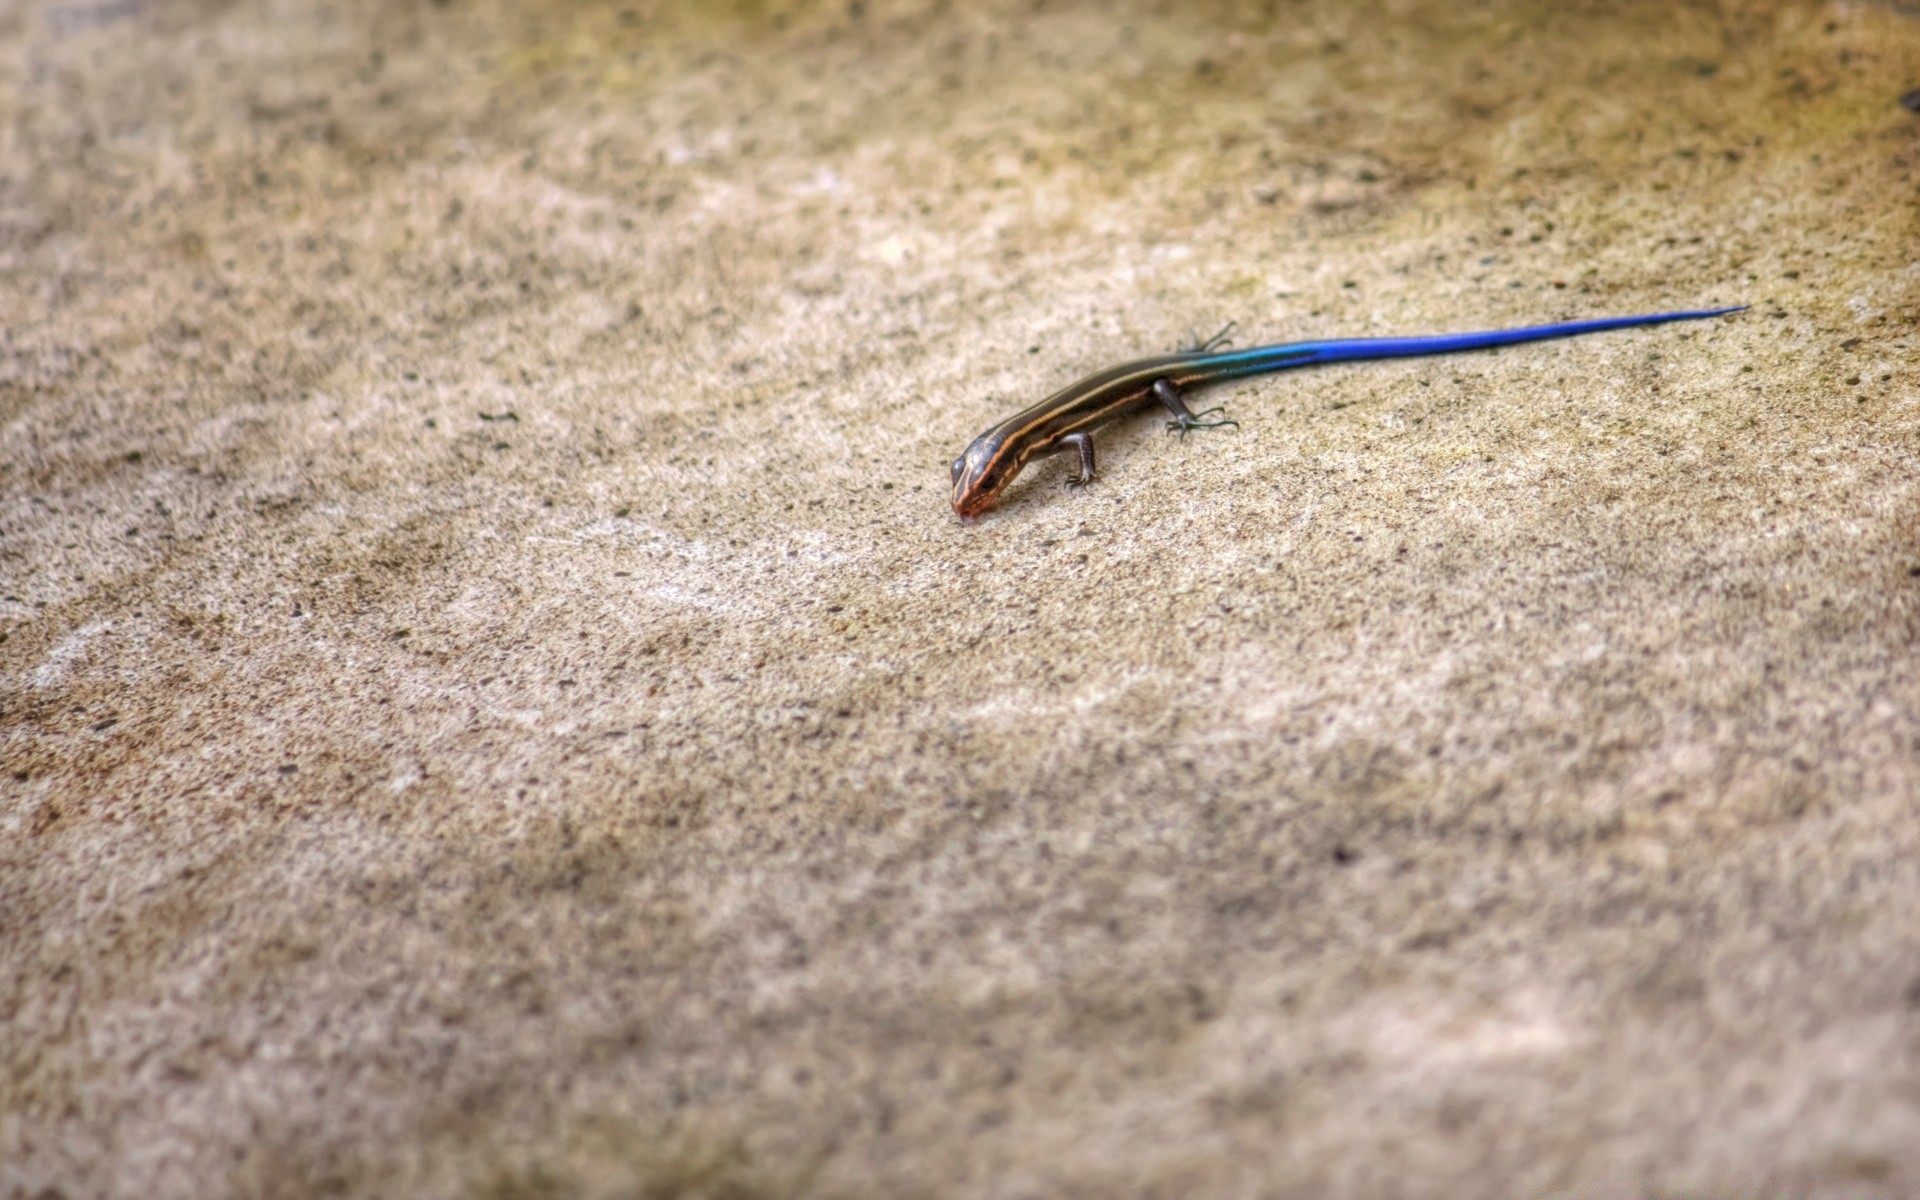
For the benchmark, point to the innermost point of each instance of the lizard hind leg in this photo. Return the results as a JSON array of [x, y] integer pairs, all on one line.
[[1219, 341], [1185, 418]]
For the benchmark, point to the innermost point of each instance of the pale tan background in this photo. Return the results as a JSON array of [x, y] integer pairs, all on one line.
[[1484, 776]]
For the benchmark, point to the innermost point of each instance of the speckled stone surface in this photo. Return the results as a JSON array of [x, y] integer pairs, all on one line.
[[493, 702]]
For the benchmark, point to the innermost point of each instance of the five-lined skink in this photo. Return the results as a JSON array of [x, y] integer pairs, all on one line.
[[1066, 420]]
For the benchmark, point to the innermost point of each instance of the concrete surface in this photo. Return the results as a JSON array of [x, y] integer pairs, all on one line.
[[493, 702]]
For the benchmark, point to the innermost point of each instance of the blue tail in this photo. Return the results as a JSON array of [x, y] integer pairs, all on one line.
[[1300, 354]]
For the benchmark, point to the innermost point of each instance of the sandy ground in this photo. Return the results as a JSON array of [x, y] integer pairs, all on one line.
[[494, 703]]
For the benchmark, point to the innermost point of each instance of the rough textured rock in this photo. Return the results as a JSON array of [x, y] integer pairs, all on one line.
[[493, 702]]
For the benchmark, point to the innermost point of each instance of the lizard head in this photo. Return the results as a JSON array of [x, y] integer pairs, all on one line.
[[980, 474]]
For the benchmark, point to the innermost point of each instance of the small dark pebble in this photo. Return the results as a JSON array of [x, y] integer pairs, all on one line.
[[1911, 101]]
